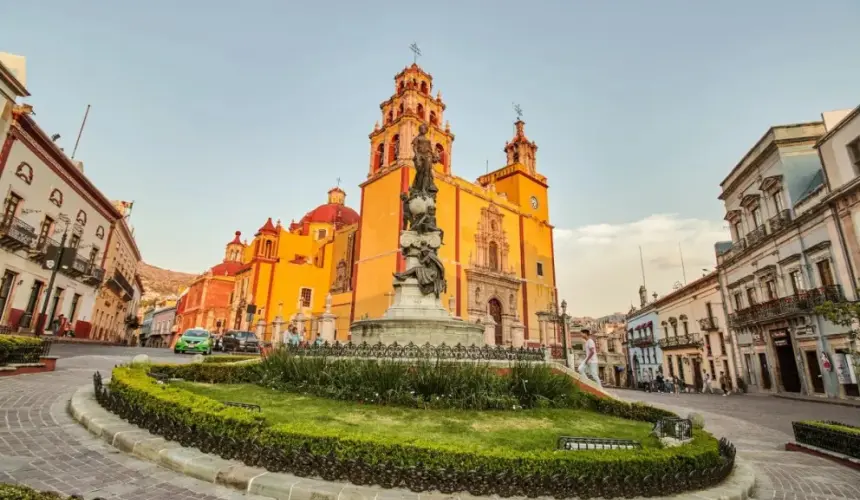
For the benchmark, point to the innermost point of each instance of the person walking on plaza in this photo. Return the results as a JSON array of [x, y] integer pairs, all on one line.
[[724, 383], [590, 360], [707, 386]]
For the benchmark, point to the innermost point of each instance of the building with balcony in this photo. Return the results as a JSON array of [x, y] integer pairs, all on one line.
[[114, 304], [785, 258], [162, 329], [53, 217], [839, 150], [644, 354], [693, 338]]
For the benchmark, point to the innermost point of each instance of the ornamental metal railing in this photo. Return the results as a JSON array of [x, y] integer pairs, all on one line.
[[779, 221], [802, 303], [756, 235], [25, 354], [681, 341], [587, 444], [413, 351]]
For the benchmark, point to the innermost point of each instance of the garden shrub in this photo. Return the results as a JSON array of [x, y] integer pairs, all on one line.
[[829, 435], [227, 358], [18, 492], [310, 448], [19, 349]]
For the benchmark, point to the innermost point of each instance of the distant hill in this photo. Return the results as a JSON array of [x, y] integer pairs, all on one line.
[[161, 284]]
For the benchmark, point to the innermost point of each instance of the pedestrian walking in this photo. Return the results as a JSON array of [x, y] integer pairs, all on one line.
[[707, 387], [590, 361], [724, 383]]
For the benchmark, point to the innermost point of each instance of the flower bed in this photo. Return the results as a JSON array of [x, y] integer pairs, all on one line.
[[829, 435], [20, 349], [308, 448]]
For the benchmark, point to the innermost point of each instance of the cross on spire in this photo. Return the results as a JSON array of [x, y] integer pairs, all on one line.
[[338, 182], [415, 51], [519, 111]]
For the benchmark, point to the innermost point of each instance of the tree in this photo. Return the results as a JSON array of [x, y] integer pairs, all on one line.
[[845, 314]]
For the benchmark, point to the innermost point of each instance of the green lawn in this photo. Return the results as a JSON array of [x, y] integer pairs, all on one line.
[[526, 430]]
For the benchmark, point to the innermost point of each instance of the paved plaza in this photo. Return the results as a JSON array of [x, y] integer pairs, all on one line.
[[41, 446]]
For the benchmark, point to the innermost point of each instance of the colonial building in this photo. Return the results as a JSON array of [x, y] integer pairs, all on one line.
[[206, 302], [839, 150], [114, 306], [52, 216], [11, 89], [693, 340], [497, 237], [785, 259], [161, 327], [645, 358]]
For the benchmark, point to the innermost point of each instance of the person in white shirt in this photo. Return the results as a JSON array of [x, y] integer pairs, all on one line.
[[590, 361]]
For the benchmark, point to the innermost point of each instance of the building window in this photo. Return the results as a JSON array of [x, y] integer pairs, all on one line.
[[756, 217], [45, 231], [268, 249], [306, 297], [73, 311], [10, 208], [739, 301], [739, 232], [540, 268], [854, 153], [778, 204], [751, 297], [493, 256], [825, 274], [770, 289], [796, 281], [321, 233], [74, 241], [93, 253], [686, 328]]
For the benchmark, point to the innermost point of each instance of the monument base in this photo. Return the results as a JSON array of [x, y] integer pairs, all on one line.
[[416, 318]]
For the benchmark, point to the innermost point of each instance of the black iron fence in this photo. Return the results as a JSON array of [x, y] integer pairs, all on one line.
[[28, 351], [413, 351], [585, 444], [827, 436], [393, 473], [677, 428]]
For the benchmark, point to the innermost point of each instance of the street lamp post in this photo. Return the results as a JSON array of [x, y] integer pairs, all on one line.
[[563, 320], [40, 330]]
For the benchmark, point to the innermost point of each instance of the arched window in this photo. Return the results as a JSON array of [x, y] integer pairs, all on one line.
[[390, 117], [493, 256], [421, 111], [394, 149], [379, 156], [424, 87], [400, 109], [268, 252], [440, 150], [400, 87], [434, 120]]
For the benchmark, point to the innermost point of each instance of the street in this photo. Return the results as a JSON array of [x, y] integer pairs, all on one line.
[[41, 446]]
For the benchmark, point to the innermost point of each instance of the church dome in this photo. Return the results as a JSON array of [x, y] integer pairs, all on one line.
[[334, 212]]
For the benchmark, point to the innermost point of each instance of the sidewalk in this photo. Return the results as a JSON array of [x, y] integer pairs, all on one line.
[[853, 402]]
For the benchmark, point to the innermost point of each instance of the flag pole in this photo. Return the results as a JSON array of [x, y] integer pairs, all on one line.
[[81, 131]]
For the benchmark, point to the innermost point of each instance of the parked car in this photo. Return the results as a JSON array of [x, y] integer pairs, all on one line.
[[195, 340], [240, 341]]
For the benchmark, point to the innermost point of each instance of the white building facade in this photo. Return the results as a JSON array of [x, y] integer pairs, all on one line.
[[48, 200], [785, 259]]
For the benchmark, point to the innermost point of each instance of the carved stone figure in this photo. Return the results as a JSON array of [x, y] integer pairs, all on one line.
[[426, 223], [424, 159], [339, 284], [430, 273]]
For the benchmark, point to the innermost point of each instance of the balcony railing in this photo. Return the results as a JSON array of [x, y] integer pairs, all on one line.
[[709, 324], [681, 341], [123, 285], [802, 303], [779, 220], [95, 276], [40, 249], [756, 235], [16, 234], [79, 267], [643, 342]]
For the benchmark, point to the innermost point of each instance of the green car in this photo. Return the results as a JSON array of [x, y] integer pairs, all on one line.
[[195, 340]]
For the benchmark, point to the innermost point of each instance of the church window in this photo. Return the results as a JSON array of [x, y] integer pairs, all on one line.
[[306, 297], [400, 109], [268, 248], [424, 89], [434, 120], [440, 151], [421, 111], [390, 117], [516, 156], [394, 149], [400, 87], [379, 159], [493, 256], [540, 268], [321, 234]]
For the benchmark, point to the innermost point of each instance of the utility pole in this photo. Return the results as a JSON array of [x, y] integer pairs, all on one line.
[[563, 320], [56, 268]]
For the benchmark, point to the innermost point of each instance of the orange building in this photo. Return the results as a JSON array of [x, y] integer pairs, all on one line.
[[206, 302], [498, 248]]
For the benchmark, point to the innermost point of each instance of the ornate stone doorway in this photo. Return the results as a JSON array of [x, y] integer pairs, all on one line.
[[495, 310]]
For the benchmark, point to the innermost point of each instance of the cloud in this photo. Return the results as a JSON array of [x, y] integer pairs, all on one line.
[[598, 268]]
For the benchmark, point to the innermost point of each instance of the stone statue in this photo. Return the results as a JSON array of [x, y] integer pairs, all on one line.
[[430, 273], [424, 159], [426, 223], [339, 284]]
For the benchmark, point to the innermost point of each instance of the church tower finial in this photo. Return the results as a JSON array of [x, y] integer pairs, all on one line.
[[520, 149]]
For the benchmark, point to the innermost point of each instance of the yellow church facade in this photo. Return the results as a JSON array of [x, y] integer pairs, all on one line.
[[498, 242]]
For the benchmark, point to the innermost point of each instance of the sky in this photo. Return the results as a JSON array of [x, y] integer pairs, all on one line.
[[213, 116]]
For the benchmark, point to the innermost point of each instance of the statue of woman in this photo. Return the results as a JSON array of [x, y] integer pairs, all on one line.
[[424, 159]]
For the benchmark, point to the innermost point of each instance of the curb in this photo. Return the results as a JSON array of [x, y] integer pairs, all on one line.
[[827, 401], [211, 468]]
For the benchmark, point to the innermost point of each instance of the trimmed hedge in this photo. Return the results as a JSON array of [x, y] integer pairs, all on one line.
[[417, 384], [309, 448], [829, 435], [18, 492], [227, 358], [19, 349]]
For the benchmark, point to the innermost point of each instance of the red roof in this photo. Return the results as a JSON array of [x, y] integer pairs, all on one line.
[[332, 213], [268, 227], [236, 240], [229, 268]]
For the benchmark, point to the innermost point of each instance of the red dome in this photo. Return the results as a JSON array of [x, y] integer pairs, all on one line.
[[331, 213]]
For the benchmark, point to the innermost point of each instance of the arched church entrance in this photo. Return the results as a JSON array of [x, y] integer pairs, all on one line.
[[496, 313]]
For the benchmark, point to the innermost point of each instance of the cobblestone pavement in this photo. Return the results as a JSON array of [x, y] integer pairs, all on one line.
[[42, 447], [759, 426]]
